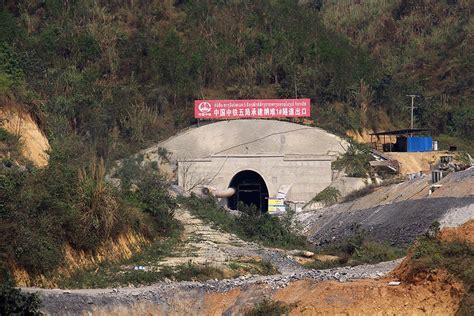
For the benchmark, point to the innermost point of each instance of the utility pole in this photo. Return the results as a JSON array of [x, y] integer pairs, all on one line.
[[412, 96]]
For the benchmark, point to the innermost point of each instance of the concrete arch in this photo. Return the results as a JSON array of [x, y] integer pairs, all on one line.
[[249, 168], [252, 137]]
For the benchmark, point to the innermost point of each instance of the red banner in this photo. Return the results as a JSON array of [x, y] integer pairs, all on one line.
[[233, 109]]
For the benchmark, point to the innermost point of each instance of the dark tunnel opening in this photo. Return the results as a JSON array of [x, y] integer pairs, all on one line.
[[250, 189]]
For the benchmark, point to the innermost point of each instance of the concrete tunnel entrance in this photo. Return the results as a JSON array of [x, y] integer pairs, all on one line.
[[224, 157], [250, 189]]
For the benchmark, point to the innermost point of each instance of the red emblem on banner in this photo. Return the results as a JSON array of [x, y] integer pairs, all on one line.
[[234, 109]]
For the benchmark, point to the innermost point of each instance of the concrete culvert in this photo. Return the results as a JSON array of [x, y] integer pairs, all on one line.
[[250, 189]]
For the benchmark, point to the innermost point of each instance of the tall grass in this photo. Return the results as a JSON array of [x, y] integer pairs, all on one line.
[[347, 15], [98, 204]]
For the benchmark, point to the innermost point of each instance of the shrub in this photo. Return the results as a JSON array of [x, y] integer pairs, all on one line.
[[87, 48], [267, 229], [270, 308], [373, 252], [35, 249], [321, 265], [11, 74], [164, 154], [8, 137], [14, 302], [5, 85], [157, 201], [355, 161], [11, 181], [328, 196], [207, 210], [146, 188], [139, 121], [97, 203], [193, 272], [9, 30]]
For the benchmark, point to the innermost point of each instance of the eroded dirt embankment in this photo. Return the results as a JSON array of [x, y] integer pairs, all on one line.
[[195, 298], [464, 233], [120, 249], [319, 294], [17, 121]]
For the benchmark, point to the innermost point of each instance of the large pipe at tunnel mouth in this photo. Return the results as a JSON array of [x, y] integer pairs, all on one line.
[[219, 193]]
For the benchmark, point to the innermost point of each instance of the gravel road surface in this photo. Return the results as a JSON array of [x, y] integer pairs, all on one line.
[[163, 295]]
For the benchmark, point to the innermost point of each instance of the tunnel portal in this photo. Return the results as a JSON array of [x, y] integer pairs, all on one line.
[[260, 158], [250, 189]]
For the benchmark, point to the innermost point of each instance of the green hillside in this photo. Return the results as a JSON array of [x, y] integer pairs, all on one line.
[[122, 74], [424, 47], [107, 78]]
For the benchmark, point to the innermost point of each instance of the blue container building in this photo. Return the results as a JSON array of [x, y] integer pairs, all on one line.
[[419, 143], [407, 140]]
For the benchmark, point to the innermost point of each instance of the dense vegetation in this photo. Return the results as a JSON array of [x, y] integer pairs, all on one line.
[[15, 302], [124, 74], [105, 78], [42, 210], [423, 48]]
